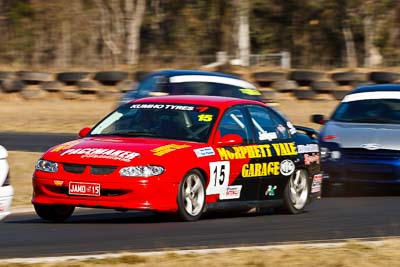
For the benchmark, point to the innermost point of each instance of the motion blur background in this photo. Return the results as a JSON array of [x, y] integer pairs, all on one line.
[[143, 35]]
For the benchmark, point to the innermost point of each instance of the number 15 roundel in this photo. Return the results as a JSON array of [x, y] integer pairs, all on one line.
[[219, 177]]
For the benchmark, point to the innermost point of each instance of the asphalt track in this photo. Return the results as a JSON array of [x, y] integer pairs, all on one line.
[[89, 231], [33, 142]]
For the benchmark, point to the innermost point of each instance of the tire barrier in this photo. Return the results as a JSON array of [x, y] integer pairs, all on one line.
[[274, 85]]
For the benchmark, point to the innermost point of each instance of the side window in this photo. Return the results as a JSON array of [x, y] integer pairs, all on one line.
[[152, 84], [268, 125], [235, 122]]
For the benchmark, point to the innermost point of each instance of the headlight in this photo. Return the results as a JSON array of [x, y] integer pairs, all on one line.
[[46, 166], [324, 152], [141, 171]]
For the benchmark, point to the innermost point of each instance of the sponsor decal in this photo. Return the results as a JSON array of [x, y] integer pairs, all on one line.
[[58, 182], [281, 128], [261, 169], [231, 192], [372, 95], [162, 150], [309, 148], [371, 146], [287, 167], [271, 190], [308, 159], [316, 184], [249, 91], [203, 152], [163, 106], [267, 136], [292, 129], [102, 153], [205, 117], [65, 146], [257, 151], [219, 177]]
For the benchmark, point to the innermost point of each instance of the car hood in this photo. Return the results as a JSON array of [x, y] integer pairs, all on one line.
[[119, 151], [365, 135]]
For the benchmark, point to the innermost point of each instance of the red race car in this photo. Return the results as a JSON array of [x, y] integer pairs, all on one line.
[[184, 155]]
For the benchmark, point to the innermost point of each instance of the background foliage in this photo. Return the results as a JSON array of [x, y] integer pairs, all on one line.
[[66, 34]]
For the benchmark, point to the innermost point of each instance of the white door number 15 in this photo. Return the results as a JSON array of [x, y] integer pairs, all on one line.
[[219, 177]]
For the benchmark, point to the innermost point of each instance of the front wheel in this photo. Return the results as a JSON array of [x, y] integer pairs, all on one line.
[[296, 192], [191, 196], [54, 213]]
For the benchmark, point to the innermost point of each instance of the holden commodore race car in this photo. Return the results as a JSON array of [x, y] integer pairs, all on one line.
[[359, 142], [6, 190], [183, 155]]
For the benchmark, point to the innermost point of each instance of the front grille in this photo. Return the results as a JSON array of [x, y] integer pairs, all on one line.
[[74, 168], [98, 170], [380, 154], [95, 170]]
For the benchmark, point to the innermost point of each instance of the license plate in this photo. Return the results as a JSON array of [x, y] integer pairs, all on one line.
[[84, 189]]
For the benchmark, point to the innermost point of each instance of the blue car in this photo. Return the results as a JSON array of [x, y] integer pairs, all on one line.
[[360, 142], [192, 82]]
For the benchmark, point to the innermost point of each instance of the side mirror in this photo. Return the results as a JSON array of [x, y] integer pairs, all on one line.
[[318, 118], [82, 133], [230, 140]]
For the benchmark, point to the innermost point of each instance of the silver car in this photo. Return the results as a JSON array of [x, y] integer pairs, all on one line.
[[360, 142]]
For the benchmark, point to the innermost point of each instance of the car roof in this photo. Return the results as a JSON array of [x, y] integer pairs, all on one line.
[[376, 88], [216, 101], [175, 72]]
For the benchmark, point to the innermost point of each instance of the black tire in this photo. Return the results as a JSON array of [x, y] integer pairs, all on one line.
[[304, 94], [269, 96], [70, 93], [326, 189], [348, 77], [30, 77], [6, 75], [266, 78], [110, 77], [339, 94], [52, 86], [304, 78], [71, 78], [384, 76], [89, 87], [296, 192], [12, 86], [33, 93], [54, 213], [189, 212], [323, 86], [126, 86], [285, 86]]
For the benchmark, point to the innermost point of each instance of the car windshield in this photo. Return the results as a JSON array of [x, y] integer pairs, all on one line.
[[159, 120], [369, 111]]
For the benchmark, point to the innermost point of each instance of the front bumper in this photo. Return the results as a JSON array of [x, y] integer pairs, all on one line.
[[136, 194], [6, 195], [361, 171]]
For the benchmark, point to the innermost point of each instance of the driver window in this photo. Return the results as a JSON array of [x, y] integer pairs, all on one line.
[[234, 122], [269, 127]]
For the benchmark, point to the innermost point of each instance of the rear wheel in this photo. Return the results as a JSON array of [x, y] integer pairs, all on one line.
[[54, 213], [191, 196], [296, 192]]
